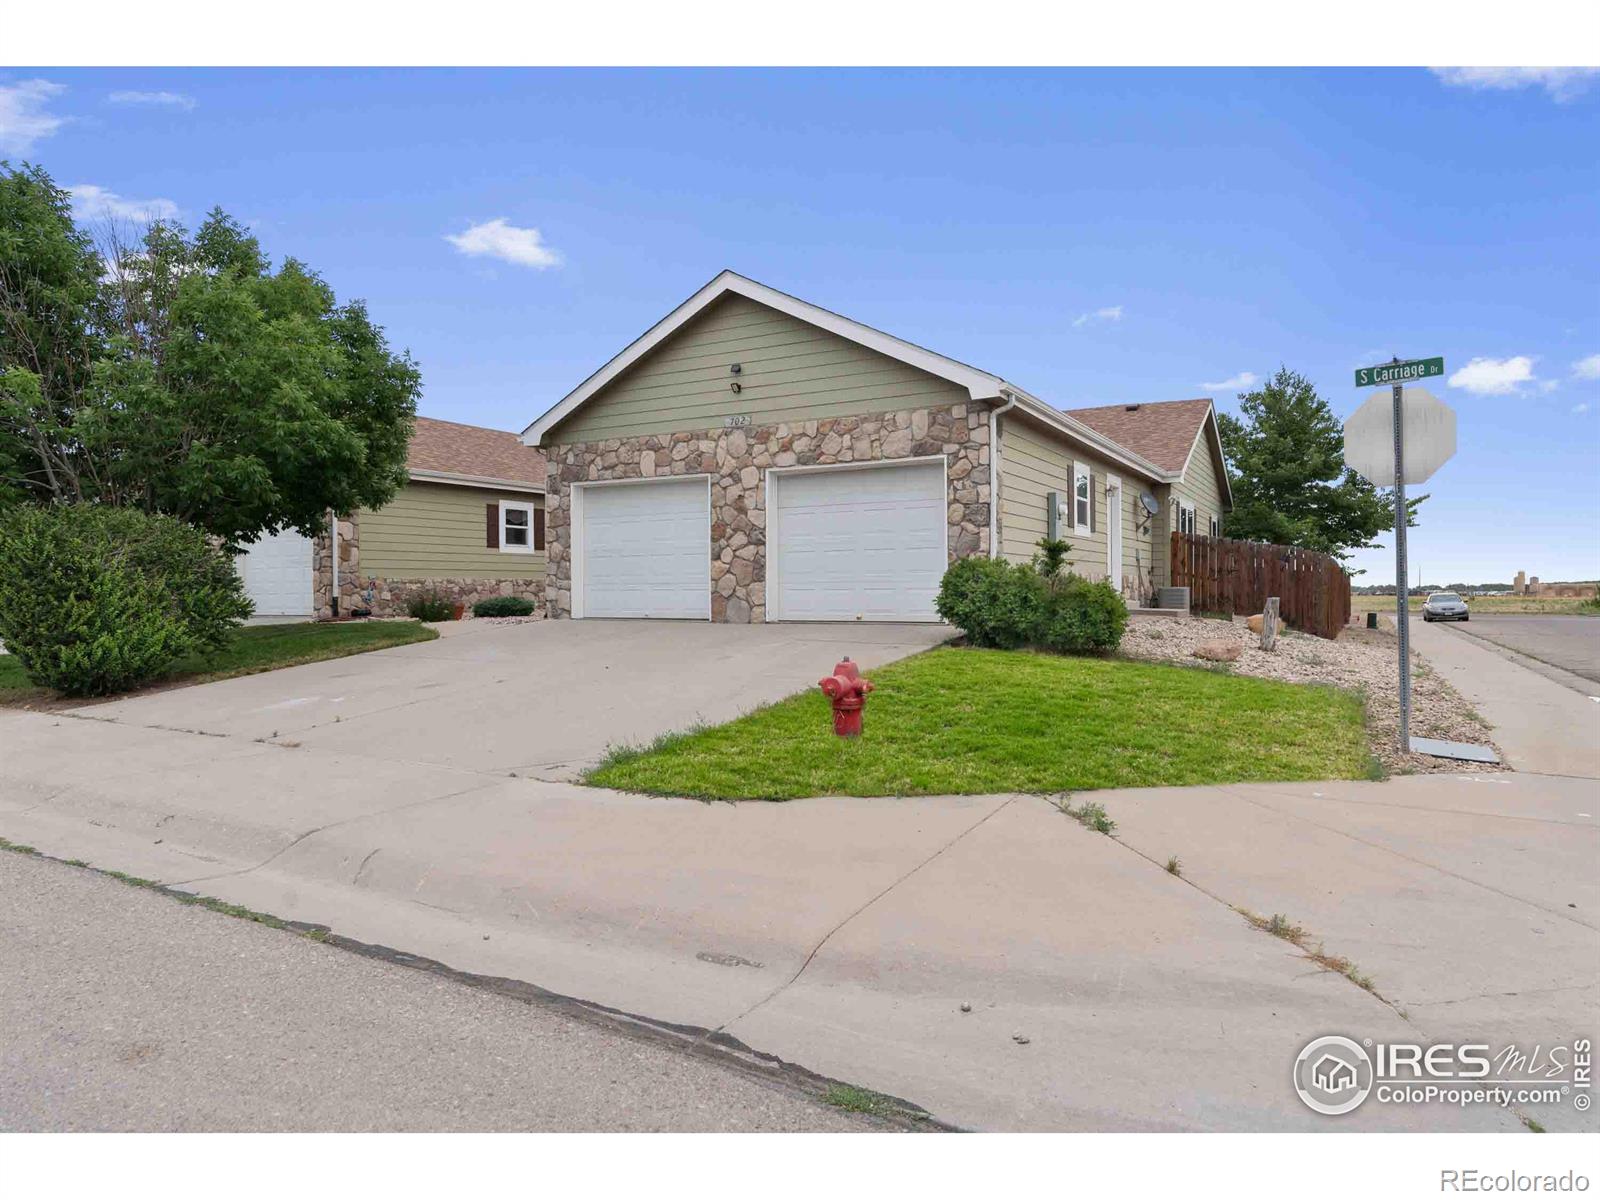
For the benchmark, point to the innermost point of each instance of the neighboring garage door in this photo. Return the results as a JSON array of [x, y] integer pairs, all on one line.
[[277, 575], [862, 544], [646, 549]]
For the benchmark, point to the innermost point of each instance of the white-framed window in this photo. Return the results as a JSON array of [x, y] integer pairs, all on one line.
[[1082, 498], [1216, 525], [517, 528], [1185, 517]]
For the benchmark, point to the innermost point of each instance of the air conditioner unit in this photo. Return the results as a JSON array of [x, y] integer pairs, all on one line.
[[1173, 597]]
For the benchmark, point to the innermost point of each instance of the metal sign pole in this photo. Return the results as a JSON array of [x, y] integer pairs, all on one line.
[[1402, 611]]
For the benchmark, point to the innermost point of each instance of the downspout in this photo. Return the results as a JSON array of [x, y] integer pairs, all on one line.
[[994, 471], [333, 562]]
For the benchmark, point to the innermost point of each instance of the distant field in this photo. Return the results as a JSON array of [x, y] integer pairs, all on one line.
[[1544, 606]]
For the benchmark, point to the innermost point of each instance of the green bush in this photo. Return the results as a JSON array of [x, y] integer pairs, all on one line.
[[994, 603], [503, 606], [430, 606], [1082, 617], [97, 600], [1005, 606]]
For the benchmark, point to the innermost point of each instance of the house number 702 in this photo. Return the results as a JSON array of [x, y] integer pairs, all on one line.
[[736, 421]]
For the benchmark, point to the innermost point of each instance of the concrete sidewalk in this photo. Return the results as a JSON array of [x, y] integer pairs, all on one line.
[[1544, 719], [846, 935]]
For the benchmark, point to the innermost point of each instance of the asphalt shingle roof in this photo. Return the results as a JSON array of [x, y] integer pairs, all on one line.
[[1162, 432], [473, 450]]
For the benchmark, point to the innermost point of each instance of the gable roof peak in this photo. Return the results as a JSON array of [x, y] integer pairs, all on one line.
[[980, 385]]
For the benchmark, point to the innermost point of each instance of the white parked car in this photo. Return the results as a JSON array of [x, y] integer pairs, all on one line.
[[1445, 606]]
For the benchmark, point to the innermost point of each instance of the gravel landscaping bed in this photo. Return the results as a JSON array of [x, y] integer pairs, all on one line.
[[1361, 660]]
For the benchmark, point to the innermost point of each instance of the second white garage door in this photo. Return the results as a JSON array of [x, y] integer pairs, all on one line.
[[277, 575], [862, 544], [646, 549]]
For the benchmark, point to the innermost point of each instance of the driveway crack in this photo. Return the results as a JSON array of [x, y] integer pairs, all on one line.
[[817, 949]]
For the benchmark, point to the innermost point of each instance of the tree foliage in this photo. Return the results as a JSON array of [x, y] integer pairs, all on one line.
[[1290, 483], [180, 374]]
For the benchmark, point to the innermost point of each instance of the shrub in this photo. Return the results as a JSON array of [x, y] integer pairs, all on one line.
[[96, 600], [997, 604], [992, 602], [503, 606], [1082, 617], [430, 606]]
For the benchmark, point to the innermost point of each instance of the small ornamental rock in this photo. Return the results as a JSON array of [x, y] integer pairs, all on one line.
[[1219, 651]]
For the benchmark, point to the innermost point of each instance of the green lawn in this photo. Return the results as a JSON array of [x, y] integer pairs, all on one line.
[[965, 721], [255, 648]]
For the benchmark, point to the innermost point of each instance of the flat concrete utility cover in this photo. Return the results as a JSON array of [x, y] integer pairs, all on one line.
[[1465, 751]]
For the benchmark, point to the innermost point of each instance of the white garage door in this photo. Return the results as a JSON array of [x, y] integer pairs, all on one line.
[[277, 575], [646, 549], [858, 545]]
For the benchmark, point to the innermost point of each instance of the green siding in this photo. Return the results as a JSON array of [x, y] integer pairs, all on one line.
[[791, 371], [1199, 484], [1034, 463], [1199, 487], [438, 531]]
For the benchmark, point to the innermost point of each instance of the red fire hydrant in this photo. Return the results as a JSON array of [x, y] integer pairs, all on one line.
[[848, 692]]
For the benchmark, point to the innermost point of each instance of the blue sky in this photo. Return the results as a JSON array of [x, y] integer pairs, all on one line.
[[1096, 236]]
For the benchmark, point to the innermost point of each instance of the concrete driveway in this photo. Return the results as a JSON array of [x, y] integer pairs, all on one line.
[[541, 698]]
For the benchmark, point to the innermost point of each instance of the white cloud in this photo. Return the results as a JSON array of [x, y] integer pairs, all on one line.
[[1580, 408], [23, 119], [91, 202], [1244, 379], [1549, 385], [1587, 368], [1110, 313], [1562, 83], [497, 239], [1494, 376], [155, 99]]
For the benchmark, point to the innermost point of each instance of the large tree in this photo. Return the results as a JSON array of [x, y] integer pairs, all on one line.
[[1290, 484], [181, 374]]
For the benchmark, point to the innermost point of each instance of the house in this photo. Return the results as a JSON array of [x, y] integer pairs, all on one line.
[[1333, 1075], [753, 457], [468, 523]]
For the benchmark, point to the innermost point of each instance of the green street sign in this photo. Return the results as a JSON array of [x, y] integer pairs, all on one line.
[[1399, 372]]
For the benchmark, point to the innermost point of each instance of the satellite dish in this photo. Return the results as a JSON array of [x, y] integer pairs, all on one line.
[[1148, 503]]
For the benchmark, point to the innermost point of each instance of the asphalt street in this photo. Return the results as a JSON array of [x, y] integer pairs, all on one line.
[[122, 1009], [1569, 642]]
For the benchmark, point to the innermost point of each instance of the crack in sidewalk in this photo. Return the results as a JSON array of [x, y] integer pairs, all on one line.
[[1415, 861], [282, 850], [817, 949]]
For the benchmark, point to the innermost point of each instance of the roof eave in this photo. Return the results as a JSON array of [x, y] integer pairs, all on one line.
[[456, 478], [1096, 441]]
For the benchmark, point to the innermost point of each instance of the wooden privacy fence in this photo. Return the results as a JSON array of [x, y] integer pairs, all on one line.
[[1223, 575]]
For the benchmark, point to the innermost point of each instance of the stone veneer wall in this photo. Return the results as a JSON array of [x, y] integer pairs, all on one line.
[[736, 460], [388, 597]]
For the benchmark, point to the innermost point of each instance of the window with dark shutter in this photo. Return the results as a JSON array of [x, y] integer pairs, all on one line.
[[517, 531], [538, 529], [491, 536]]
